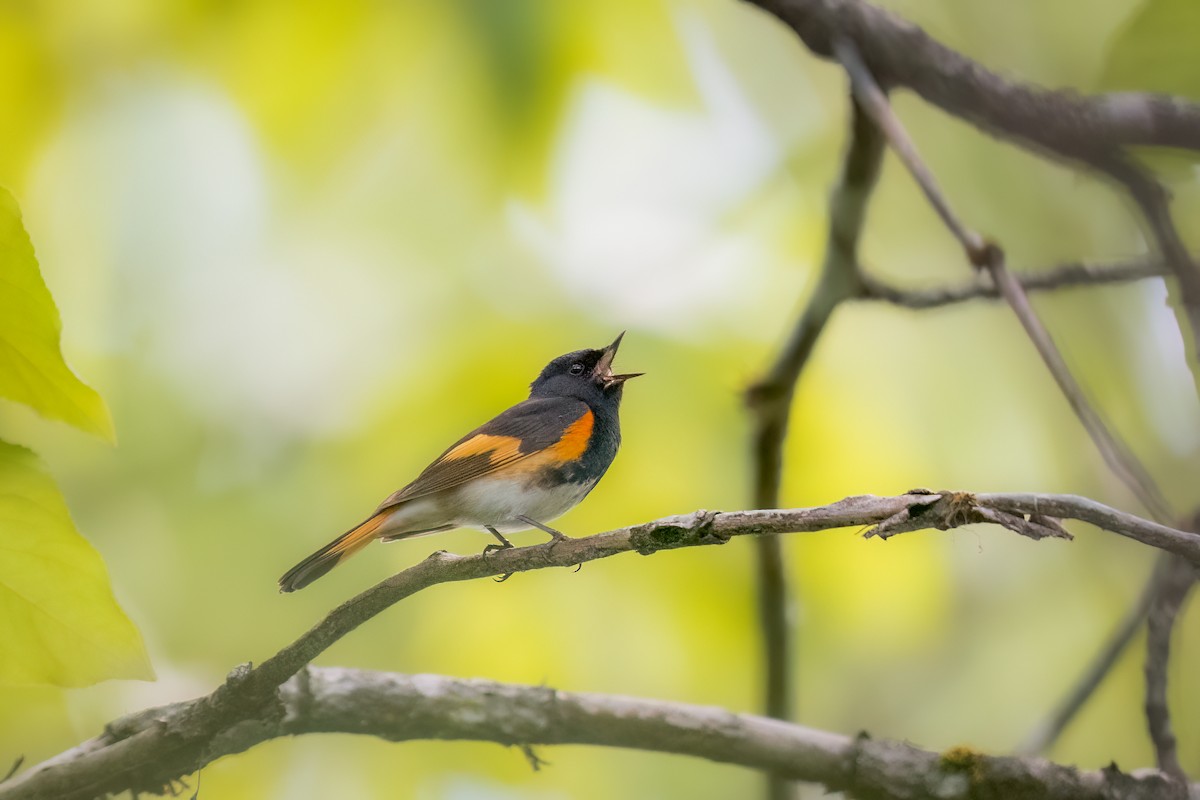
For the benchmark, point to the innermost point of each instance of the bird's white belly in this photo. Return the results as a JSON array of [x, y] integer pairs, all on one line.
[[497, 502]]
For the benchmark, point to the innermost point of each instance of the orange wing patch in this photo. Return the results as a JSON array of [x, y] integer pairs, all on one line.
[[487, 454], [570, 446], [497, 448], [503, 449], [574, 441]]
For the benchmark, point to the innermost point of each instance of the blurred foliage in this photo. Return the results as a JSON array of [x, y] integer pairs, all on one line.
[[59, 622], [32, 370], [1156, 50], [301, 247]]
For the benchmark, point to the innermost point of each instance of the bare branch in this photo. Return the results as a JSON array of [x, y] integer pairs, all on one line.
[[1058, 277], [1117, 455], [1092, 131], [1143, 118], [875, 102], [1129, 469], [770, 398], [690, 530], [770, 401], [1154, 201], [1097, 514], [129, 755], [1174, 580], [986, 255], [404, 708], [1165, 596], [1061, 123]]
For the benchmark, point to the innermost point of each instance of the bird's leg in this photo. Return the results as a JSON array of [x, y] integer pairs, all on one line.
[[557, 536], [505, 544]]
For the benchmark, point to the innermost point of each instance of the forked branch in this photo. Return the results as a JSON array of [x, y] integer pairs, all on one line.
[[131, 756]]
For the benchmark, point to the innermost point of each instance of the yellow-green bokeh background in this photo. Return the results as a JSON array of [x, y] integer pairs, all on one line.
[[301, 246]]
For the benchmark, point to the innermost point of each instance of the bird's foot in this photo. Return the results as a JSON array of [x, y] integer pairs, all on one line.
[[491, 548], [555, 535], [504, 544]]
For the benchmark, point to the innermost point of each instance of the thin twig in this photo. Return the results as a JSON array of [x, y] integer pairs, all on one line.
[[402, 708], [1117, 455], [770, 401], [1067, 275], [1049, 730], [1165, 594], [1093, 131], [1062, 276], [1161, 600], [1174, 580], [1154, 201], [868, 93], [986, 255], [16, 765]]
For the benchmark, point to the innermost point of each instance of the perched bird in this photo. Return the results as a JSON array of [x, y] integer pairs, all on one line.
[[529, 465]]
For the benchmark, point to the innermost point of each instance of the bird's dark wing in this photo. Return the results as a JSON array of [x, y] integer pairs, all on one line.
[[539, 431]]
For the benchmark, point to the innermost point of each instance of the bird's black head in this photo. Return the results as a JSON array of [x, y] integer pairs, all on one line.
[[586, 374]]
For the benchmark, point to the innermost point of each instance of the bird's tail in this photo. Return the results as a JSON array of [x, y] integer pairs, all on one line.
[[332, 554]]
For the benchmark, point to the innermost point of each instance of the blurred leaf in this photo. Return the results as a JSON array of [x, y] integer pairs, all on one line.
[[537, 53], [32, 370], [518, 42], [1156, 50], [31, 90], [59, 622]]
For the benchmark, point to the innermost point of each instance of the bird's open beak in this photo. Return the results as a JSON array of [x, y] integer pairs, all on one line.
[[604, 372]]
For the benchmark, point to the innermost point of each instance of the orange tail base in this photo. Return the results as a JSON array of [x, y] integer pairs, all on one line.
[[331, 554]]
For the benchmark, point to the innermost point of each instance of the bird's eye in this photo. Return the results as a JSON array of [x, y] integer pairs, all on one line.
[[577, 368]]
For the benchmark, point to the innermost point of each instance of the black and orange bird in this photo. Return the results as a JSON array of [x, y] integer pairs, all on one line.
[[528, 466]]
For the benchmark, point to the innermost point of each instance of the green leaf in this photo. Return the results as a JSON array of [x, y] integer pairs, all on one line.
[[59, 621], [1157, 51], [32, 370]]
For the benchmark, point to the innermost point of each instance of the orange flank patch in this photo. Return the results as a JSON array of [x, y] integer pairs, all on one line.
[[499, 448], [574, 441]]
